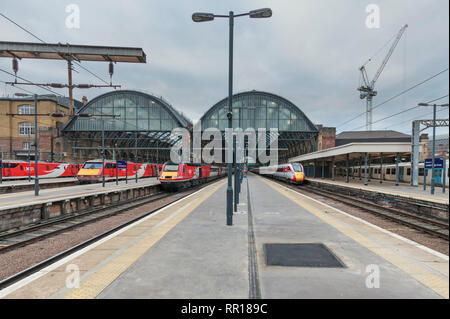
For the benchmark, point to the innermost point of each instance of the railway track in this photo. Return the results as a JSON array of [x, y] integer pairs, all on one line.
[[425, 224], [54, 226], [37, 232]]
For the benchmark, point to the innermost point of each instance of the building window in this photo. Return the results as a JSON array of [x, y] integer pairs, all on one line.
[[26, 109], [26, 145], [26, 128]]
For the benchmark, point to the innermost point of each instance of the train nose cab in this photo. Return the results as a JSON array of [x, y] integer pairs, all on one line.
[[90, 171], [299, 174], [170, 171]]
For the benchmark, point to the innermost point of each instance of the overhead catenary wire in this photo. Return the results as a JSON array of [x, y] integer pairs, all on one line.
[[396, 96], [416, 117], [18, 87], [35, 36], [401, 112], [23, 79]]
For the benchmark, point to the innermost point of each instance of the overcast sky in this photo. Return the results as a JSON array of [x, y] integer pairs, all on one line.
[[309, 52]]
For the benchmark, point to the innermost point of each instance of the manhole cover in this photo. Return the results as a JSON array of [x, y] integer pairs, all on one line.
[[301, 255]]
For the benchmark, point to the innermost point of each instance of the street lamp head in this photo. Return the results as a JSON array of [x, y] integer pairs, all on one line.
[[445, 104], [202, 17], [21, 94], [423, 104], [261, 13]]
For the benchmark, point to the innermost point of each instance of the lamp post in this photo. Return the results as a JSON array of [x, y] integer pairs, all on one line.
[[36, 146], [103, 137], [434, 141], [202, 17], [29, 159]]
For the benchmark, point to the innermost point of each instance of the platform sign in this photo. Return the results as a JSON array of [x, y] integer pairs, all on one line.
[[121, 164], [438, 163]]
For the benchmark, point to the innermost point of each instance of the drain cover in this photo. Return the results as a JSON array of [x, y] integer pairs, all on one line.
[[301, 255]]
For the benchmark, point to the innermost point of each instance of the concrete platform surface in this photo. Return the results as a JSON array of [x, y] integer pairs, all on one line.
[[27, 197], [186, 251], [22, 182], [388, 187]]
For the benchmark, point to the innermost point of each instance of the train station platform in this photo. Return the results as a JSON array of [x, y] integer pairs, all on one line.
[[9, 186], [281, 245], [27, 198], [388, 187]]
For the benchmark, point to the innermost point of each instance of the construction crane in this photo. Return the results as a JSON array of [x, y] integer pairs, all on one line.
[[367, 90]]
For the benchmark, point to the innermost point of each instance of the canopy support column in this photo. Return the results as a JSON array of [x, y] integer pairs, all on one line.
[[365, 169], [346, 168]]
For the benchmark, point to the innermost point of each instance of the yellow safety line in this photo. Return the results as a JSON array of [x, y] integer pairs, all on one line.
[[419, 273], [96, 283]]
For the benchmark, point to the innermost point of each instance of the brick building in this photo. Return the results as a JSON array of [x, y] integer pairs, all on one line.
[[17, 127], [326, 138]]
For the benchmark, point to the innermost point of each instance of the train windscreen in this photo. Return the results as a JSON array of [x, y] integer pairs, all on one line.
[[171, 168], [92, 165], [297, 167]]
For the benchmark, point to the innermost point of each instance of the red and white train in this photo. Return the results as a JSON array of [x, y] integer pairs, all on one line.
[[290, 172], [12, 169], [175, 176], [93, 170]]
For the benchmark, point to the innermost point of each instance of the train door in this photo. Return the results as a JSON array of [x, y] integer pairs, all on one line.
[[437, 176], [401, 172]]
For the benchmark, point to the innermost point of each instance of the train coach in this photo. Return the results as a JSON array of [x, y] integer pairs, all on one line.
[[12, 170], [290, 172], [389, 173], [93, 170], [175, 176]]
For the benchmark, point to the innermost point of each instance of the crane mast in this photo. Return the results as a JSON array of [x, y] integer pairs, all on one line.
[[367, 90]]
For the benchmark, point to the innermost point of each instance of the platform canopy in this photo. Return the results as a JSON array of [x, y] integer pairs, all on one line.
[[257, 109], [141, 118], [354, 151], [60, 51]]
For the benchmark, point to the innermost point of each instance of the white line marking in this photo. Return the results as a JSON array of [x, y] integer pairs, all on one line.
[[429, 250]]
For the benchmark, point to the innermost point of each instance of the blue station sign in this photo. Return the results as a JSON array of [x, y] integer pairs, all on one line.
[[121, 164], [438, 163]]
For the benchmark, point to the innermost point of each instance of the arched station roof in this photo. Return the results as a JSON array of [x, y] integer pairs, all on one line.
[[141, 116], [258, 109]]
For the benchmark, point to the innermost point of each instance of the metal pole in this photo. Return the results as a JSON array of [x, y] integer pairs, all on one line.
[[444, 175], [434, 149], [424, 178], [332, 170], [36, 149], [117, 170], [323, 169], [381, 168], [103, 153], [230, 123], [397, 175], [346, 168], [360, 166], [29, 157], [236, 174], [1, 168], [365, 168], [136, 147]]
